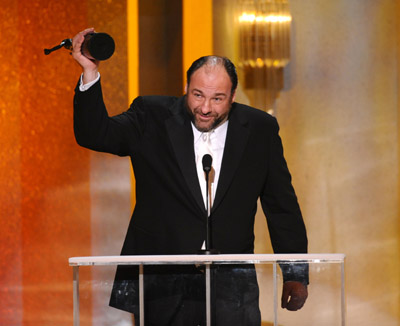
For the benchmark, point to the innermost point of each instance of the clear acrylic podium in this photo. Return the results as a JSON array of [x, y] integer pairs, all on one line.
[[325, 304]]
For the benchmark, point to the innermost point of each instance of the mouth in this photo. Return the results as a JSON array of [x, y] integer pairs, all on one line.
[[204, 118]]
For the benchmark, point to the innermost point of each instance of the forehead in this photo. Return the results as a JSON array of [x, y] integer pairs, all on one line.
[[211, 77]]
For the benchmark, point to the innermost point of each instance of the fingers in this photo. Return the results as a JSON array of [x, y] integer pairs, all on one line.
[[295, 303], [294, 295], [78, 40], [89, 67], [285, 296]]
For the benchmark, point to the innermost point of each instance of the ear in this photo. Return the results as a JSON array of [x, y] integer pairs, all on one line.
[[233, 96], [186, 88]]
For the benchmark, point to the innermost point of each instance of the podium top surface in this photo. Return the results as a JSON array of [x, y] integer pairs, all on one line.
[[206, 259]]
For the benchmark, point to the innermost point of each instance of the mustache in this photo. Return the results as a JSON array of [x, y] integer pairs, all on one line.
[[209, 114]]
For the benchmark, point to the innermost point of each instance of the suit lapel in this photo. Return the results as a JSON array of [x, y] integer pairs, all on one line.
[[181, 136], [235, 143]]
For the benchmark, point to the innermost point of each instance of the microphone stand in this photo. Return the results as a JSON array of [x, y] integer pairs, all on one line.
[[207, 164], [208, 212], [207, 161]]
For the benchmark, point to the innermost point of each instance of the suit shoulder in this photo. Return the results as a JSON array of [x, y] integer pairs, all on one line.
[[156, 101], [253, 115]]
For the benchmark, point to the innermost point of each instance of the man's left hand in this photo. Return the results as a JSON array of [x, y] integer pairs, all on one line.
[[294, 295]]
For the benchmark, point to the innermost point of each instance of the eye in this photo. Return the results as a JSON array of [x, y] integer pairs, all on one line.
[[217, 99], [198, 95]]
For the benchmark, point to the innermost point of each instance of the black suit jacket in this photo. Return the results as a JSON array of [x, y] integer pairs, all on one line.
[[169, 216]]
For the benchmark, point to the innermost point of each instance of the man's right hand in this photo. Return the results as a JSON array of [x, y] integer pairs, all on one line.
[[89, 67], [294, 295]]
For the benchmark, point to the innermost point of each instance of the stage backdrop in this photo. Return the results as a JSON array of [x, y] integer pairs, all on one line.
[[49, 187], [339, 119], [58, 200]]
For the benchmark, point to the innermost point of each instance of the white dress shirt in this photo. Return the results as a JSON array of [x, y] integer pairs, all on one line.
[[85, 87], [217, 137]]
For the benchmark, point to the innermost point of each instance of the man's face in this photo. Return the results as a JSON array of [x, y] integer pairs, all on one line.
[[209, 97]]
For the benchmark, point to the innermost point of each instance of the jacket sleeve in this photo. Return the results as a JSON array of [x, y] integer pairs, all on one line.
[[279, 202], [94, 129]]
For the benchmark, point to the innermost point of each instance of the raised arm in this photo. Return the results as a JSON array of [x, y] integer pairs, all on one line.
[[93, 127]]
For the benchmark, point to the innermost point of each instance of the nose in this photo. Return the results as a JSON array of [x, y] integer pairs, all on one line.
[[205, 107]]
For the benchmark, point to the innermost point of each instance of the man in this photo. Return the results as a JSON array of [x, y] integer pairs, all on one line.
[[164, 138]]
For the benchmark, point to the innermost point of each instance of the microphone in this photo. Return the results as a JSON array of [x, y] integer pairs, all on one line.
[[96, 46], [207, 162]]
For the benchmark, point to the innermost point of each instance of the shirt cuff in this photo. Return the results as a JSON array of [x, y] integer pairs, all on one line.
[[85, 87]]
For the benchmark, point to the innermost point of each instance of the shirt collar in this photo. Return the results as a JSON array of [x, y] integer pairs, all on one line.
[[217, 135]]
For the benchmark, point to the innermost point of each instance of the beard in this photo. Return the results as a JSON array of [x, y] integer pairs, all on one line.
[[212, 124]]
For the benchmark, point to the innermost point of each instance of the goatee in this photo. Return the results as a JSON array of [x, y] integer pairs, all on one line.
[[213, 125]]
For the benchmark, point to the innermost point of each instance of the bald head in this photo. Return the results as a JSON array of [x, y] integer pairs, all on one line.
[[211, 62]]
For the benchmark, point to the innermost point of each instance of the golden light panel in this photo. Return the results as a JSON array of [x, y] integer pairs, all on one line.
[[264, 48]]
